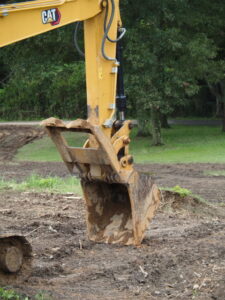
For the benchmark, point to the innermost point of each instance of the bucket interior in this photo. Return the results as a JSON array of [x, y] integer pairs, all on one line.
[[109, 214]]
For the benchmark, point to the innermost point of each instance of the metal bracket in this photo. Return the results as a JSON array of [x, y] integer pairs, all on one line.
[[109, 122]]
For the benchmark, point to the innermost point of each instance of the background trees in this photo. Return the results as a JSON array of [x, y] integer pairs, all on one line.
[[173, 46], [172, 49], [42, 76]]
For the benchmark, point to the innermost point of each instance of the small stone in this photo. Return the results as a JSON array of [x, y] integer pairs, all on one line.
[[51, 229], [196, 286], [66, 207], [56, 249], [157, 293]]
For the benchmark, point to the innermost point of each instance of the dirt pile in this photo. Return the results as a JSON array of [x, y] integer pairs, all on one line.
[[14, 137], [174, 202]]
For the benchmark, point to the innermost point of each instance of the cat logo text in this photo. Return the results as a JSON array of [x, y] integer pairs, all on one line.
[[51, 16]]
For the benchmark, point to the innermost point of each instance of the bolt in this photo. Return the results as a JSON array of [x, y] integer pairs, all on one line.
[[130, 159], [123, 162], [130, 126], [104, 3]]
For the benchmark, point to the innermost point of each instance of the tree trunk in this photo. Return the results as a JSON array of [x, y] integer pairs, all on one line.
[[218, 108], [156, 128], [223, 118], [143, 128], [164, 121], [222, 90], [218, 90]]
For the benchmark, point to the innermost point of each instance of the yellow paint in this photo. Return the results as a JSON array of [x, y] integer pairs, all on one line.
[[101, 81], [19, 21]]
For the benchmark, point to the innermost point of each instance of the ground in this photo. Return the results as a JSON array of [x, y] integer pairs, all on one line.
[[182, 256]]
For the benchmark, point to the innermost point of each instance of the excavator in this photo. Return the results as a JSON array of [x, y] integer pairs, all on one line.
[[119, 201]]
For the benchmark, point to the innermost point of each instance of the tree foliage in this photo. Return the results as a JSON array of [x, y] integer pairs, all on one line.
[[42, 76], [172, 46]]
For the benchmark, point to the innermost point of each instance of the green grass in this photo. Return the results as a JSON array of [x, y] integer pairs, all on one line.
[[179, 190], [183, 144], [9, 294], [215, 173], [45, 150], [49, 184], [183, 192], [42, 296]]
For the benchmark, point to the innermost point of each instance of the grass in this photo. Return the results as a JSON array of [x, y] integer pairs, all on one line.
[[11, 295], [8, 294], [183, 192], [215, 173], [179, 190], [45, 150], [40, 184], [183, 144]]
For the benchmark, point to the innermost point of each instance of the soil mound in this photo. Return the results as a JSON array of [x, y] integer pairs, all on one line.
[[14, 137], [173, 201]]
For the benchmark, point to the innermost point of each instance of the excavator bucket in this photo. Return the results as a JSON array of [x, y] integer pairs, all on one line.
[[120, 202], [15, 258], [120, 213]]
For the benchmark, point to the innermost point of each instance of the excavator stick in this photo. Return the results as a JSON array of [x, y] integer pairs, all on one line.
[[120, 203], [15, 258]]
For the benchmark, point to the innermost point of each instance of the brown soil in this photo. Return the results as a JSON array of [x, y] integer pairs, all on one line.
[[182, 256], [14, 137]]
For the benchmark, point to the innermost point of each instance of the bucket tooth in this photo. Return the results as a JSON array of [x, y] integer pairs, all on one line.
[[120, 213]]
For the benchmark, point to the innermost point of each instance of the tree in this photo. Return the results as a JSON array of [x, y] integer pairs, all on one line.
[[42, 76], [170, 47]]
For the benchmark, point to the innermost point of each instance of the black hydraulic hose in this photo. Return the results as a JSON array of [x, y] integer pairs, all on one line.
[[120, 94], [76, 29], [122, 30], [106, 31], [107, 28]]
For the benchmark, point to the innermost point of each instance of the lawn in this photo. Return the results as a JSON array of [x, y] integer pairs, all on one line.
[[183, 144], [37, 183]]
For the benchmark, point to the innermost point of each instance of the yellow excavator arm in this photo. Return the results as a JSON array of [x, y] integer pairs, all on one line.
[[120, 202], [22, 20]]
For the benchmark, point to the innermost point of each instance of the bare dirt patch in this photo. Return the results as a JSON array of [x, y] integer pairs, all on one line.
[[182, 256]]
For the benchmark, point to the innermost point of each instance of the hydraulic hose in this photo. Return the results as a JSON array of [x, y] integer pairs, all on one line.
[[122, 30], [106, 32], [107, 29], [77, 25]]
